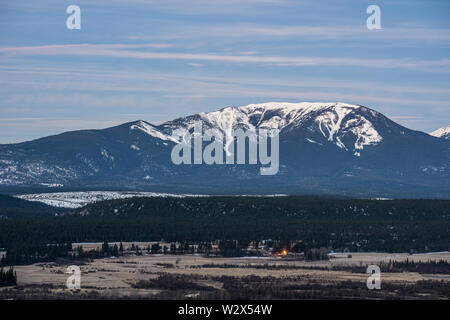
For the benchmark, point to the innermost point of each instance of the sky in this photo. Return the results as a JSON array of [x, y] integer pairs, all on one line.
[[158, 60]]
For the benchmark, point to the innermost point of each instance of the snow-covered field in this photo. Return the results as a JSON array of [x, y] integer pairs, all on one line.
[[80, 199]]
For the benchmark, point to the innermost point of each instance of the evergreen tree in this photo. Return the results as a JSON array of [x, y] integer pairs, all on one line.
[[105, 248], [8, 278], [115, 250], [155, 248]]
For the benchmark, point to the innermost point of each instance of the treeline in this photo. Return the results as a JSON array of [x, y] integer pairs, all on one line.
[[422, 267], [24, 253], [392, 266], [172, 282], [29, 253], [431, 266], [173, 286], [8, 278], [338, 235], [314, 254]]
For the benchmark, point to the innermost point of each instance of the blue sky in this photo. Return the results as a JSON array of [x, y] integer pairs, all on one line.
[[157, 60]]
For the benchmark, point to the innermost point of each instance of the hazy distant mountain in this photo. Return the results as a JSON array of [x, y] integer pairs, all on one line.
[[332, 148], [443, 132]]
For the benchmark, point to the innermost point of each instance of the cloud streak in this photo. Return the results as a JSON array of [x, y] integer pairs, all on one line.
[[333, 33], [115, 51]]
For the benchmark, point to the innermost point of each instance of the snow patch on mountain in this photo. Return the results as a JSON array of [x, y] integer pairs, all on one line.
[[107, 156], [33, 172], [152, 131], [364, 131], [312, 141], [443, 132]]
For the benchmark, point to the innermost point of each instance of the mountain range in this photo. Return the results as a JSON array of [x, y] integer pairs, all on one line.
[[324, 148]]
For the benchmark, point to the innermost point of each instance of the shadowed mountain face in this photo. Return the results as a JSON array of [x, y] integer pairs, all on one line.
[[324, 148]]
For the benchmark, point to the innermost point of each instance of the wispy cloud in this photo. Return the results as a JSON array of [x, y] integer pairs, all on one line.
[[115, 51], [193, 64], [320, 35], [128, 83], [86, 79], [317, 33]]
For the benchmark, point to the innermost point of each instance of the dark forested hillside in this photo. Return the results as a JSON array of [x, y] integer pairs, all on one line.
[[11, 207], [305, 207], [339, 224]]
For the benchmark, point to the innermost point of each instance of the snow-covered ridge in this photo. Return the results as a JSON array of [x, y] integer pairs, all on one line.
[[443, 132], [270, 115], [333, 120]]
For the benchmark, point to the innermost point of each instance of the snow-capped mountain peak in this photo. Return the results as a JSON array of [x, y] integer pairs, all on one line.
[[443, 132], [347, 126]]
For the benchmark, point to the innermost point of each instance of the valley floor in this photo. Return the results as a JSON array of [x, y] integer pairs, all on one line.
[[197, 277]]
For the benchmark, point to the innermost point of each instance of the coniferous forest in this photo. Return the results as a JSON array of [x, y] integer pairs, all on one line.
[[311, 222]]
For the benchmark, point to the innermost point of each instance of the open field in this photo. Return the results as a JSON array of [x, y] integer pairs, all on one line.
[[194, 276]]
